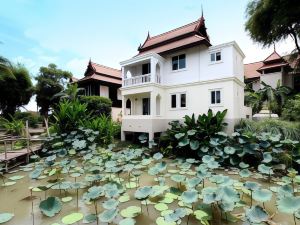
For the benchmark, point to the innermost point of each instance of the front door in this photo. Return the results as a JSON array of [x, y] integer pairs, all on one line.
[[146, 106]]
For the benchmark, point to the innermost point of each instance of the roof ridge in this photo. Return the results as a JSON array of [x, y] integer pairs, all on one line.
[[159, 35], [106, 66], [254, 62]]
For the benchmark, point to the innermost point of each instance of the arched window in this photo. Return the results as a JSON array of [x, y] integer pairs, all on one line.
[[128, 107]]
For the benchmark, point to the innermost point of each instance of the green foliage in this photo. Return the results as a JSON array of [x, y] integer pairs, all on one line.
[[32, 118], [286, 129], [254, 100], [5, 69], [50, 81], [97, 105], [291, 110], [70, 115], [271, 21], [16, 90], [193, 133], [106, 128], [71, 93], [13, 126]]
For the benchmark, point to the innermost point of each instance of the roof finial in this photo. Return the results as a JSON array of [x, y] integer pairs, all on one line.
[[148, 35], [274, 47], [201, 10]]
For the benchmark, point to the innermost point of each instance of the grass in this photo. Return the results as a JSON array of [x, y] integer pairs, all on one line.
[[288, 130]]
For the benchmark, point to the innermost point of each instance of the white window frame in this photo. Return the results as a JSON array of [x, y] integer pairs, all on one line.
[[221, 97], [177, 55], [178, 100], [215, 55]]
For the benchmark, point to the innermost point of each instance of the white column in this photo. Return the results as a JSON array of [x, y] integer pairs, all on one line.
[[152, 103], [153, 69], [123, 135]]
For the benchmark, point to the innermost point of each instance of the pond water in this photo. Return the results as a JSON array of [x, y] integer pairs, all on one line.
[[16, 198]]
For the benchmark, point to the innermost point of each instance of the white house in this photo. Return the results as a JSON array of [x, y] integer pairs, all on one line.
[[179, 73]]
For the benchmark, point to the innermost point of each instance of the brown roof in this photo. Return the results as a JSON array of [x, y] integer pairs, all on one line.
[[274, 65], [193, 32], [101, 78], [188, 41], [274, 56], [250, 69], [106, 70]]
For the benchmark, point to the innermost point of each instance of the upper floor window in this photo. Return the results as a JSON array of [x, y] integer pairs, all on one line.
[[215, 56], [215, 97], [178, 62], [146, 68], [178, 100]]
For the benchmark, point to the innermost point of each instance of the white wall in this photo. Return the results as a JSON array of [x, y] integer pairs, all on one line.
[[271, 78]]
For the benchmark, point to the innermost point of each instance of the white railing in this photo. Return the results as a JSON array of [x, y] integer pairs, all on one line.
[[137, 80]]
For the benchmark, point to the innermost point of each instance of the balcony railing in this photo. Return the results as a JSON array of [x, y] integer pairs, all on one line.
[[137, 80]]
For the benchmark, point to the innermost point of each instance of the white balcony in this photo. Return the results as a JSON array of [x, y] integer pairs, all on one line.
[[146, 78]]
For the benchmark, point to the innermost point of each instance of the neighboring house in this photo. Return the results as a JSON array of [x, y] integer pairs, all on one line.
[[103, 81], [179, 73], [271, 70]]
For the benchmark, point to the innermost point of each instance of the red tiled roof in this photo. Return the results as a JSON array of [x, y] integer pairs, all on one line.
[[176, 44], [250, 70], [274, 65], [106, 70], [272, 57], [101, 78], [188, 32]]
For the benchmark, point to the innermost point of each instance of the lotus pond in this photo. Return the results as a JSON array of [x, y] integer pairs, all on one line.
[[104, 186]]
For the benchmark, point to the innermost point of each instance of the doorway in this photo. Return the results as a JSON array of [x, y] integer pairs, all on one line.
[[146, 106]]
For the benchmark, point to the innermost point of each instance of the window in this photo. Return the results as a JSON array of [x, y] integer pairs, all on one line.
[[178, 62], [182, 100], [173, 101], [178, 100], [215, 57], [146, 68], [104, 91], [215, 97]]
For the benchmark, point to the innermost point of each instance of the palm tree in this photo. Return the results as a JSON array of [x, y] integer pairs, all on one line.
[[254, 100], [71, 93], [5, 69], [275, 98]]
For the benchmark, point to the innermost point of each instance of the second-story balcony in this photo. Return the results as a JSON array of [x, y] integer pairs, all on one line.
[[142, 69]]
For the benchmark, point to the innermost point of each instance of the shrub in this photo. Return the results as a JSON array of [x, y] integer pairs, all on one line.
[[291, 110], [33, 119], [13, 126], [69, 116], [97, 105], [288, 130], [105, 127], [192, 134]]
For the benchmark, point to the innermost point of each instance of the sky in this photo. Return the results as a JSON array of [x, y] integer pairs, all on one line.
[[70, 32]]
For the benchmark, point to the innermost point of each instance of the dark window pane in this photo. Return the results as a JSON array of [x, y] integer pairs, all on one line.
[[183, 100], [218, 56], [146, 68], [175, 63], [218, 97], [181, 61], [212, 57], [213, 97], [173, 101]]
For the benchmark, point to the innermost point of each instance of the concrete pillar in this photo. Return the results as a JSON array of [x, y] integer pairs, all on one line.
[[153, 62], [152, 103], [123, 135]]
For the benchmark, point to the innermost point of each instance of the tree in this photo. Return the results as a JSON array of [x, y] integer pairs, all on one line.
[[253, 100], [274, 97], [270, 21], [50, 81], [72, 92], [5, 69], [15, 89]]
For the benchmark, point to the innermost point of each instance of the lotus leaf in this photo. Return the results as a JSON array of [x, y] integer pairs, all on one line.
[[50, 206], [179, 135], [67, 199], [5, 217], [90, 218], [13, 178], [72, 218], [143, 193], [245, 173], [161, 221], [252, 186], [262, 195], [131, 211], [161, 207], [178, 178], [243, 165], [267, 157], [189, 197], [108, 215], [158, 156], [176, 215], [289, 204], [256, 214], [229, 150], [127, 221], [265, 169], [194, 144], [110, 204]]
